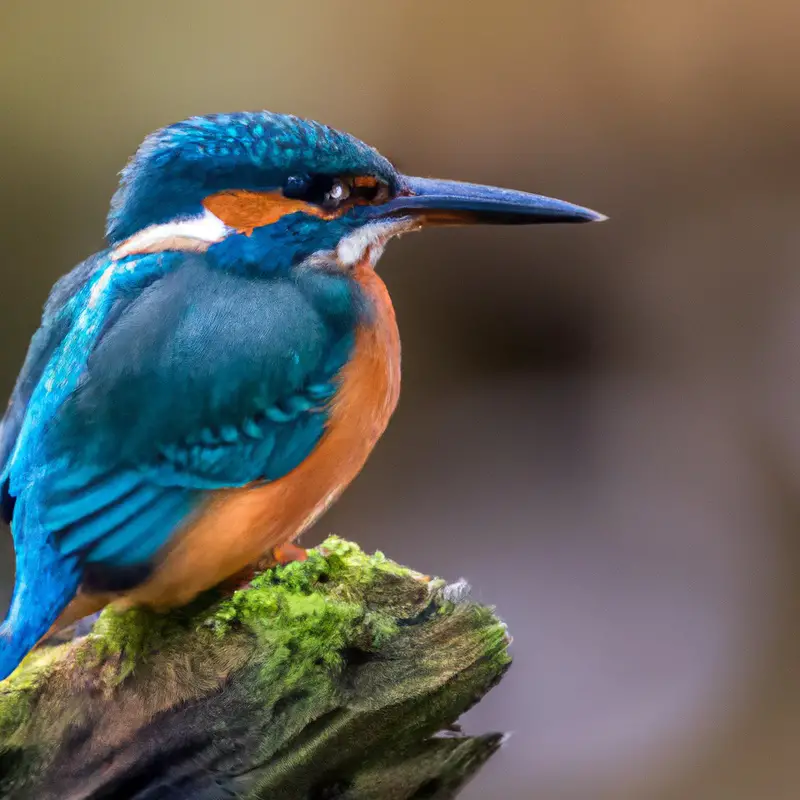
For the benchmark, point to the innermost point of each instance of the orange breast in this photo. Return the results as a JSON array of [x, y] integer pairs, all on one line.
[[238, 526]]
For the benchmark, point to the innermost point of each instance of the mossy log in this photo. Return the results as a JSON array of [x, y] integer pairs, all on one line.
[[338, 677]]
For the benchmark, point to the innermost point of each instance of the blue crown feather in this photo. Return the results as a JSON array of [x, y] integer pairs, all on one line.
[[177, 166]]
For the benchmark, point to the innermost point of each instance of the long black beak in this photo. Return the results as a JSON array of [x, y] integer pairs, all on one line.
[[453, 202]]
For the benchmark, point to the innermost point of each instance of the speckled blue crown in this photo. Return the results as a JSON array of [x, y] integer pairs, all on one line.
[[177, 166]]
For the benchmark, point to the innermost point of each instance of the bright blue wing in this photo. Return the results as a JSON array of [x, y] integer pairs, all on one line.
[[57, 320], [202, 380]]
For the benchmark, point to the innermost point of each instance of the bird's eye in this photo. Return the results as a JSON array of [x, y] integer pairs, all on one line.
[[322, 190], [333, 192], [337, 194]]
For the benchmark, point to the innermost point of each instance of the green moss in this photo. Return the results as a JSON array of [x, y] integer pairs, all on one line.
[[329, 591], [307, 613]]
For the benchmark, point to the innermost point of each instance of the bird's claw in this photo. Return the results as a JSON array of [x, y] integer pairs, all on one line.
[[286, 553]]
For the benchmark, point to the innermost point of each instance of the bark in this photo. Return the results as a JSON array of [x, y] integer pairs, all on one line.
[[338, 677]]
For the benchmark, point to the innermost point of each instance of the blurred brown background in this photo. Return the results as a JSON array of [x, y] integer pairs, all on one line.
[[599, 427]]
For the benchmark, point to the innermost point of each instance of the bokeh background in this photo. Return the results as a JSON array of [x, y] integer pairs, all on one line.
[[599, 426]]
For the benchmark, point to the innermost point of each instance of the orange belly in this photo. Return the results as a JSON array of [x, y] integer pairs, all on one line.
[[238, 527]]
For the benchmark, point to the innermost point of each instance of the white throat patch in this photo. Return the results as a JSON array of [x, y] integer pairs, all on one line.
[[194, 234], [370, 239]]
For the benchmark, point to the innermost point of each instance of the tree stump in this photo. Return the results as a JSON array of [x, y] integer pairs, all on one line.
[[338, 677]]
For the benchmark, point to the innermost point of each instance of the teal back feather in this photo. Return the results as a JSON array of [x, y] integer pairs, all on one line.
[[159, 379]]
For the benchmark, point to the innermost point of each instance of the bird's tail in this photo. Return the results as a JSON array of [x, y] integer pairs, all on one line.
[[44, 584]]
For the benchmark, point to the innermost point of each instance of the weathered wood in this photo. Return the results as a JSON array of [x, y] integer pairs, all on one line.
[[340, 677]]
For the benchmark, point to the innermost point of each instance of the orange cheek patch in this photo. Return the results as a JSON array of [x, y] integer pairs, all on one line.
[[244, 211]]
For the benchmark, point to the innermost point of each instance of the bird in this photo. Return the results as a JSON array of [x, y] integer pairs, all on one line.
[[200, 391]]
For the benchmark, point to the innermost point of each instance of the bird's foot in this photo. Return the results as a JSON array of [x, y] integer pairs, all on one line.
[[286, 553]]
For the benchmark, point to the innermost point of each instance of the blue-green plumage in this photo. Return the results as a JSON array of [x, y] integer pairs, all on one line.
[[160, 377], [202, 355], [184, 378]]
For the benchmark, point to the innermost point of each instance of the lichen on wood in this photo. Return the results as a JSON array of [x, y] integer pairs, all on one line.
[[338, 677]]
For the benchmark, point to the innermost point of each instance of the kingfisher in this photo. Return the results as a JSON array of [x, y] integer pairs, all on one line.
[[200, 391]]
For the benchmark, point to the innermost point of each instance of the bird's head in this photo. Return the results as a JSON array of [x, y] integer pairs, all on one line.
[[269, 189]]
